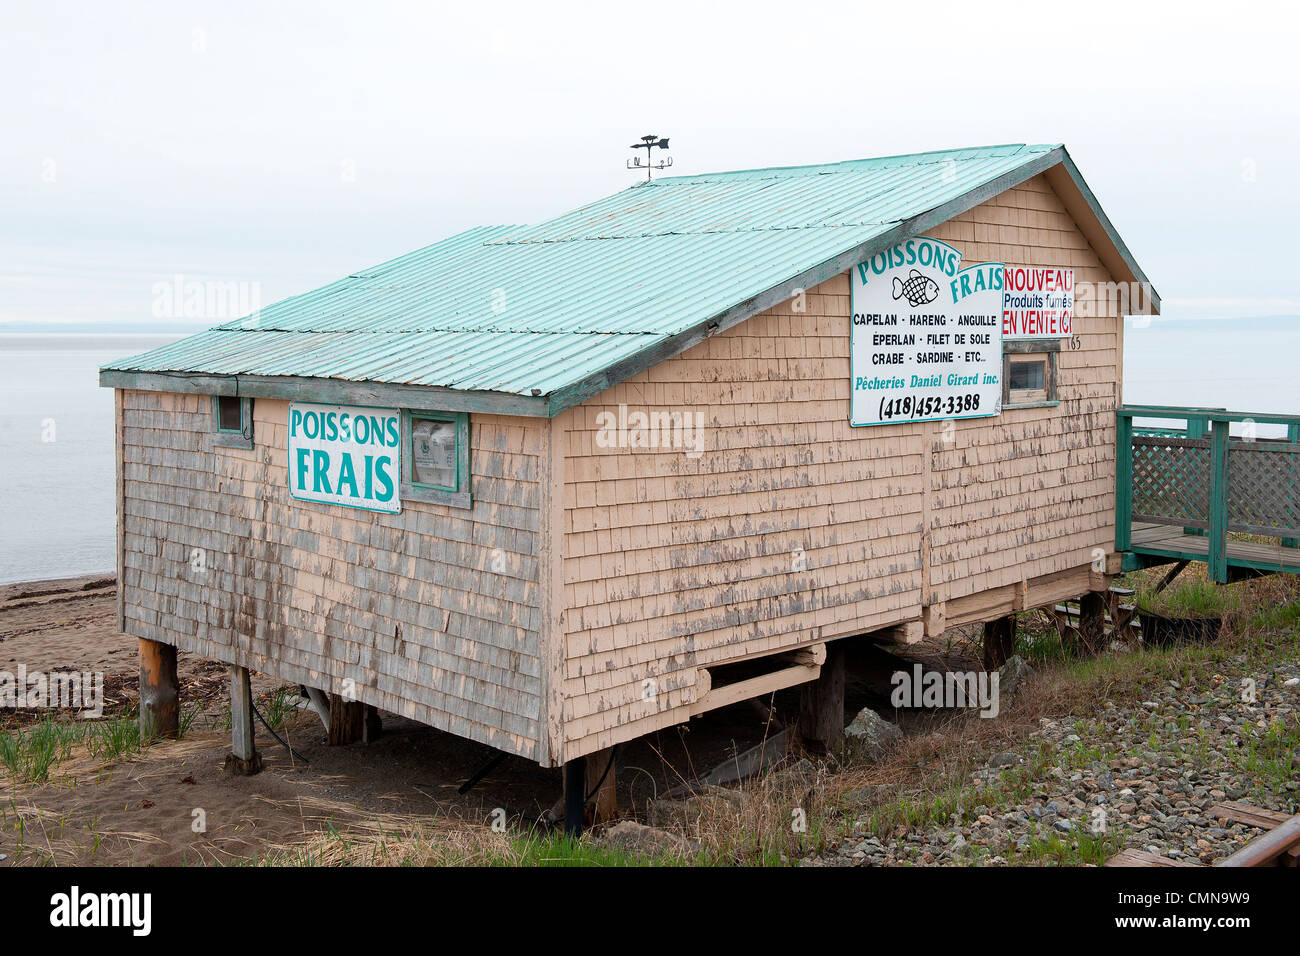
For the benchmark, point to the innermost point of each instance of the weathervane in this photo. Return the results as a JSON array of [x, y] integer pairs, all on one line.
[[648, 143]]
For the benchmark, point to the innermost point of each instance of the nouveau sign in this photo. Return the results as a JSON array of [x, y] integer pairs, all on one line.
[[926, 343], [1037, 303], [345, 455]]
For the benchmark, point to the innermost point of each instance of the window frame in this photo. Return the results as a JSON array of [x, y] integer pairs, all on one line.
[[228, 438], [458, 497], [1022, 350]]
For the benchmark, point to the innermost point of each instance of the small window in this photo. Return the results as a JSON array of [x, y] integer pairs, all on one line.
[[229, 414], [1029, 377], [436, 457], [232, 421], [1027, 374], [433, 453]]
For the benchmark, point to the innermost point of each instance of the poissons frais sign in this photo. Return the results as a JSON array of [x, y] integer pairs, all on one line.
[[345, 455], [927, 335]]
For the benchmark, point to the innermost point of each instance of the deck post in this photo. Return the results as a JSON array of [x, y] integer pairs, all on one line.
[[1218, 543], [821, 704], [575, 780], [243, 758], [160, 700], [999, 641], [1292, 436], [1196, 429], [1123, 481]]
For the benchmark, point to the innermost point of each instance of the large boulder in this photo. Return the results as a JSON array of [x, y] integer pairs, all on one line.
[[1012, 675], [869, 735], [638, 838]]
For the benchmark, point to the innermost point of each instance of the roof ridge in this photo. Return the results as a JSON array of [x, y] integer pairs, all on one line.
[[960, 154]]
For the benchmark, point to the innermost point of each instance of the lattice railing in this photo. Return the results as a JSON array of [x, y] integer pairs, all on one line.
[[1264, 488], [1171, 481], [1200, 478]]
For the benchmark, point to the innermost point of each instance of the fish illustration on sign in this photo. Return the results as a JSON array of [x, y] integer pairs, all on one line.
[[917, 289]]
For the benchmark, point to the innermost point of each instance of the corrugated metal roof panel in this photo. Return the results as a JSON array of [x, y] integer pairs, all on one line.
[[532, 309]]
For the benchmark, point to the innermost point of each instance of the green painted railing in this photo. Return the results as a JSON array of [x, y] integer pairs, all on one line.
[[1206, 481]]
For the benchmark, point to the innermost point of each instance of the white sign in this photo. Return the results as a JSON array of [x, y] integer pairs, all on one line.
[[1037, 303], [926, 343], [346, 455]]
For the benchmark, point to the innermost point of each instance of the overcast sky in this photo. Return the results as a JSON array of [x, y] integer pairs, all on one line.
[[287, 144]]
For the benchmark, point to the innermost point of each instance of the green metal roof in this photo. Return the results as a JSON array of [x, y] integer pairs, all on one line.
[[567, 307]]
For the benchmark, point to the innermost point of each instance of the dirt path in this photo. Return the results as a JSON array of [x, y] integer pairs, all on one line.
[[143, 809]]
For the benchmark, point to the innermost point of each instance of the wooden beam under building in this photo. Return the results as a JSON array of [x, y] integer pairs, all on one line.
[[243, 758], [160, 696]]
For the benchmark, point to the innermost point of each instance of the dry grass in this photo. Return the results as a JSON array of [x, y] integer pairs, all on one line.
[[927, 776]]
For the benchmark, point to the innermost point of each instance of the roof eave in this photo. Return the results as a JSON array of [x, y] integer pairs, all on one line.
[[329, 391]]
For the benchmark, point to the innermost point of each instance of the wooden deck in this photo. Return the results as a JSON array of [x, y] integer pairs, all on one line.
[[1167, 541]]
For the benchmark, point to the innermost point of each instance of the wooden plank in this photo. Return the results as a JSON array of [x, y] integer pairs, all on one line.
[[1233, 811], [1143, 858], [1170, 541], [758, 686]]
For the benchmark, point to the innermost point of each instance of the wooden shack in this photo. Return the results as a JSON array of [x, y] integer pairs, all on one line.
[[609, 457]]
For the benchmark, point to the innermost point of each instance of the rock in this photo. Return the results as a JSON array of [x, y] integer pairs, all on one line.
[[798, 774], [1012, 675], [1004, 760], [1292, 684], [689, 811], [871, 735], [862, 796], [1065, 826], [638, 838]]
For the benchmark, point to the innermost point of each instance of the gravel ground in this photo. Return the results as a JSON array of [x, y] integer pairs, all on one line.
[[1080, 789]]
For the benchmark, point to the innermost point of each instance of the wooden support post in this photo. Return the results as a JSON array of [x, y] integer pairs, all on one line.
[[821, 705], [1123, 481], [999, 641], [575, 777], [599, 788], [160, 695], [1217, 565], [1092, 623], [1196, 429], [602, 787], [374, 726], [243, 758], [1292, 436], [347, 721]]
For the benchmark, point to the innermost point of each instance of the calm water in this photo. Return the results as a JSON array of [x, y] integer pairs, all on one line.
[[59, 518], [56, 437]]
